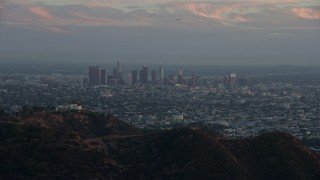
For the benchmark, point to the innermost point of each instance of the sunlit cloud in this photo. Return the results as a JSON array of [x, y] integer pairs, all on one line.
[[41, 12], [306, 13], [222, 12]]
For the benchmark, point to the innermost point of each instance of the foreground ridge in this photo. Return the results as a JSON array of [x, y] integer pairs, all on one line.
[[88, 145]]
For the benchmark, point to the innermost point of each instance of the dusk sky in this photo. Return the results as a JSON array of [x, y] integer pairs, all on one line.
[[153, 31]]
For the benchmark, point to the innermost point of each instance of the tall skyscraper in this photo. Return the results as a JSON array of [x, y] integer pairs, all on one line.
[[161, 73], [231, 80], [144, 75], [119, 67], [117, 73], [134, 77], [97, 75], [102, 76], [129, 79]]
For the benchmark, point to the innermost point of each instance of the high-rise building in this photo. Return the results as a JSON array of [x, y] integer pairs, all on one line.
[[97, 75], [134, 77], [117, 73], [102, 76], [120, 73], [129, 79], [154, 77], [233, 80], [144, 75], [119, 67], [230, 80]]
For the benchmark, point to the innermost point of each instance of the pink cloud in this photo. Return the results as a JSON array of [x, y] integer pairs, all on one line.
[[41, 12], [240, 19], [306, 13], [229, 12], [201, 9]]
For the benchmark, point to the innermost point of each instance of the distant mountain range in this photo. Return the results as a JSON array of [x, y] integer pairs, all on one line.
[[88, 145]]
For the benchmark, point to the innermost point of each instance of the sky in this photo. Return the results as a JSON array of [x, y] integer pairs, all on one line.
[[222, 32]]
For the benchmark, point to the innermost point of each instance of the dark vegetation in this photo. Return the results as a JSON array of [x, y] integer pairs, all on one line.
[[88, 145]]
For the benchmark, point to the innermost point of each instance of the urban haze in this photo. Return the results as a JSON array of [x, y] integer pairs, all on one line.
[[160, 89]]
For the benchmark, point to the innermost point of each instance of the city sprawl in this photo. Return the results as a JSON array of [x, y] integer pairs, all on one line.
[[233, 104]]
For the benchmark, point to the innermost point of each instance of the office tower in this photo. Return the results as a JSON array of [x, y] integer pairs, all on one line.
[[233, 76], [93, 75], [230, 80], [119, 67], [134, 77], [117, 72], [97, 75], [102, 76], [129, 79], [161, 73], [144, 75], [154, 77], [233, 80]]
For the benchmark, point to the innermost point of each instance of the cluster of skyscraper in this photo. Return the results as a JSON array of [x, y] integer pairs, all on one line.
[[97, 76]]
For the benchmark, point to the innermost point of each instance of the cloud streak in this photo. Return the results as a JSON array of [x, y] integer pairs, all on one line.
[[306, 13], [258, 14], [224, 12], [41, 12]]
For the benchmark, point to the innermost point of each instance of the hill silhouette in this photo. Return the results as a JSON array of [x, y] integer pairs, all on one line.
[[87, 145]]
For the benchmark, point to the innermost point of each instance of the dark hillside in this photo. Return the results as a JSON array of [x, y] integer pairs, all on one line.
[[276, 156], [87, 145]]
